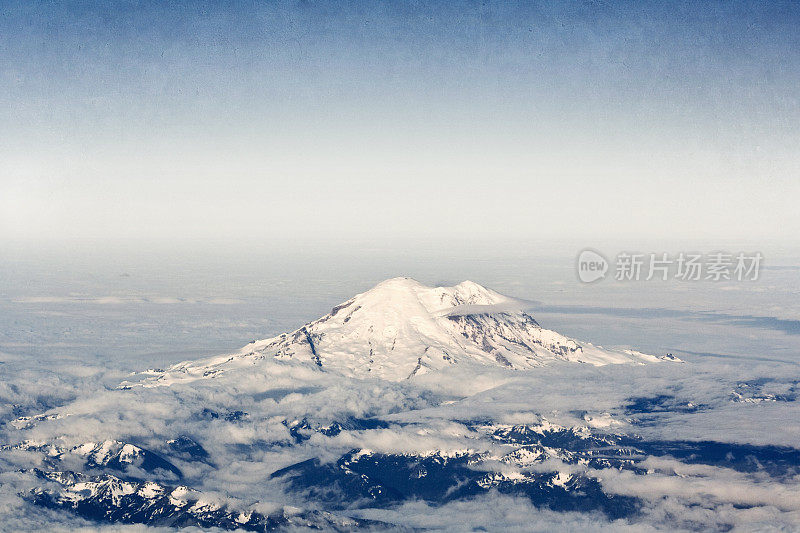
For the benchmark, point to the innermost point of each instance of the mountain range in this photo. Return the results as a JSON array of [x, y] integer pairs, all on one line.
[[402, 404]]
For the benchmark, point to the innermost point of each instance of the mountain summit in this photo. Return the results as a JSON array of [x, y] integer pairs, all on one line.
[[401, 328]]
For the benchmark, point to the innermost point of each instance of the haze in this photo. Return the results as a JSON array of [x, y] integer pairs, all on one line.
[[386, 120]]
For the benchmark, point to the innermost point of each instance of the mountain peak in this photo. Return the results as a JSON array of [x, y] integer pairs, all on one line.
[[401, 328], [397, 283]]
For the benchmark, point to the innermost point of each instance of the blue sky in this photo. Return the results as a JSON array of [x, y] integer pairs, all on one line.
[[385, 120]]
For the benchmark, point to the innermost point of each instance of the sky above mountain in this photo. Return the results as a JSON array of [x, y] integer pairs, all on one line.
[[377, 120]]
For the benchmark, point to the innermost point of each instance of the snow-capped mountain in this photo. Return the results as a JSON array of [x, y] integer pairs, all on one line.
[[111, 499], [401, 328], [287, 435]]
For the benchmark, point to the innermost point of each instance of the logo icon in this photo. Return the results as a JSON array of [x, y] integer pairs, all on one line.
[[591, 266]]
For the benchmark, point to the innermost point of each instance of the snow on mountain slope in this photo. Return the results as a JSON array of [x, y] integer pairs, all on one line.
[[401, 328]]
